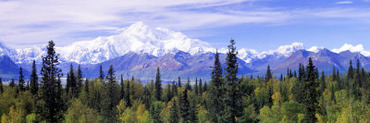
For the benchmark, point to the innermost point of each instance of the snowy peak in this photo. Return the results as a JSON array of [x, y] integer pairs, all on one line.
[[138, 38], [287, 50], [4, 50], [315, 49], [348, 47]]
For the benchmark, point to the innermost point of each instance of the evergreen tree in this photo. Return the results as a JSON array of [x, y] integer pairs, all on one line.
[[147, 97], [196, 86], [311, 95], [268, 74], [79, 79], [333, 74], [128, 94], [34, 86], [200, 87], [332, 96], [51, 111], [21, 80], [86, 87], [158, 86], [179, 82], [122, 91], [174, 113], [339, 83], [1, 86], [188, 84], [110, 101], [185, 107], [281, 77], [217, 90], [233, 101], [298, 87], [355, 89], [12, 84], [323, 86], [205, 87], [174, 89], [350, 73], [155, 111], [101, 72], [322, 81], [58, 97], [295, 73], [73, 83], [27, 85], [169, 93]]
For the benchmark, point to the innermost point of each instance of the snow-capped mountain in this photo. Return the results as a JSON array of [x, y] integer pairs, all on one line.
[[358, 48], [250, 55], [138, 38], [141, 38]]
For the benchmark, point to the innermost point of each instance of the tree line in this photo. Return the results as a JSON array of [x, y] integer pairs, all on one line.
[[299, 96]]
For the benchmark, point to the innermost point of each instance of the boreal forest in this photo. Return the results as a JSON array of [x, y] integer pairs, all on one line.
[[302, 95]]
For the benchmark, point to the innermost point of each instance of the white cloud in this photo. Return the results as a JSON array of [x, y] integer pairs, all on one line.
[[348, 47], [24, 23], [38, 20], [344, 2]]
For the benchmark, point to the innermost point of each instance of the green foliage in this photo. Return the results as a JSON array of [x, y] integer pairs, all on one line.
[[52, 107], [34, 86], [227, 98], [80, 113], [155, 111], [158, 85]]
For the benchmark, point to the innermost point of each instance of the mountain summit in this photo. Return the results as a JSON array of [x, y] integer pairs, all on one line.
[[138, 38]]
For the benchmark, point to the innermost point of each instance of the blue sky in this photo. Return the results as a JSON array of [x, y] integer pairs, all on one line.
[[254, 24]]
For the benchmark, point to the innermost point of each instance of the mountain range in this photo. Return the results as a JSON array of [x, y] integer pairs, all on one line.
[[140, 49]]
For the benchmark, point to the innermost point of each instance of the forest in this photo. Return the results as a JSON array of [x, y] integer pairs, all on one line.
[[303, 96]]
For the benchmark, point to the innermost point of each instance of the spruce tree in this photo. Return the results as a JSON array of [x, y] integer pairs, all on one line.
[[188, 84], [298, 86], [147, 97], [355, 89], [51, 111], [217, 90], [196, 86], [233, 104], [122, 91], [101, 72], [21, 80], [86, 87], [322, 86], [332, 96], [310, 98], [185, 106], [128, 94], [79, 79], [174, 113], [110, 100], [12, 84], [179, 82], [158, 86], [34, 86], [169, 93], [268, 74], [205, 87], [174, 89], [350, 73], [200, 87], [73, 83], [333, 74]]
